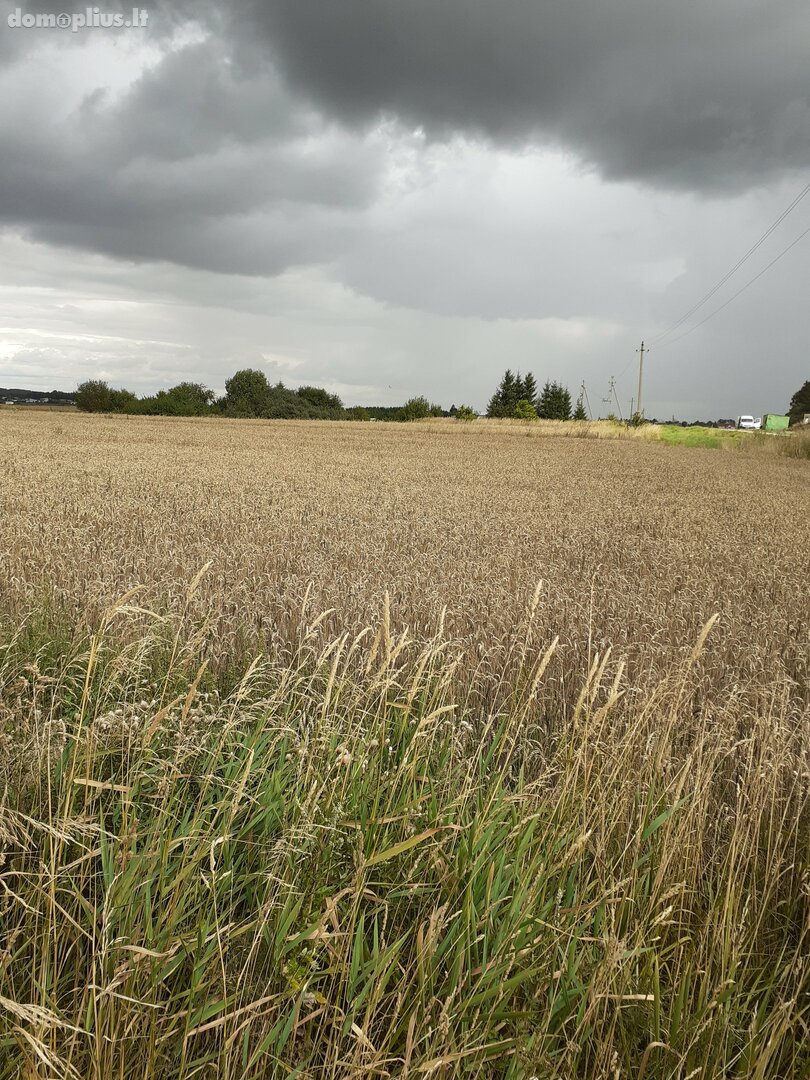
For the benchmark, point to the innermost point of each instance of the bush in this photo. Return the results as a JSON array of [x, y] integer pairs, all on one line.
[[524, 410], [320, 399], [797, 444], [94, 396], [465, 413], [123, 401], [357, 412], [185, 399], [417, 408]]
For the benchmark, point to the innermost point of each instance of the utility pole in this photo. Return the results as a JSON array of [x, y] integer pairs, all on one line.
[[615, 398], [584, 394], [640, 352]]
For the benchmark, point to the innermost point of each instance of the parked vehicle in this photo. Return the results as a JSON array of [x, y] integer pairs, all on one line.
[[748, 423]]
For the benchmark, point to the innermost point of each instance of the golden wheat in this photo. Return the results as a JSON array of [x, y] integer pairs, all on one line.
[[347, 750]]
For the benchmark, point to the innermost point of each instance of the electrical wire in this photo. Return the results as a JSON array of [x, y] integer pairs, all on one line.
[[740, 262], [739, 292]]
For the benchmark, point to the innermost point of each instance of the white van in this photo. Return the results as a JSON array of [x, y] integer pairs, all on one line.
[[748, 423]]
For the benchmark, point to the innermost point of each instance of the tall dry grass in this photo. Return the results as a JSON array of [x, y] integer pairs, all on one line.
[[459, 825], [541, 429]]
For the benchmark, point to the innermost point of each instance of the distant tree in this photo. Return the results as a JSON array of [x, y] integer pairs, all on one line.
[[123, 401], [285, 404], [387, 413], [800, 404], [529, 389], [417, 408], [465, 413], [194, 398], [545, 402], [185, 399], [94, 396], [514, 393], [555, 402], [357, 412], [507, 395], [247, 393], [579, 411], [320, 399]]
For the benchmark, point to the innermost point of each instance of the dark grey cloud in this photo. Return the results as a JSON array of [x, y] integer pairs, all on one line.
[[249, 151], [406, 197], [691, 95], [193, 163]]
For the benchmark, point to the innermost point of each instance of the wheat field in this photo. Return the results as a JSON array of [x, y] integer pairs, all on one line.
[[365, 750]]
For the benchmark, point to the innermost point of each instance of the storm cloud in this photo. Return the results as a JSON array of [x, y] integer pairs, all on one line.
[[693, 95], [393, 198]]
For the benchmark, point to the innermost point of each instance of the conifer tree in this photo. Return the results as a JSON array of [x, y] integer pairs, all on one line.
[[510, 388], [545, 404], [503, 401], [563, 403], [529, 391], [555, 402]]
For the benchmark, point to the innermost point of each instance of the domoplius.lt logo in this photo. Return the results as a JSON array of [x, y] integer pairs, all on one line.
[[90, 18]]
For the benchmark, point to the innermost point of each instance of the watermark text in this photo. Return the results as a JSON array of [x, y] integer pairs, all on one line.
[[78, 20]]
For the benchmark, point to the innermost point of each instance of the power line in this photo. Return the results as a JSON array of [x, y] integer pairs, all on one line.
[[739, 291], [624, 370], [755, 247]]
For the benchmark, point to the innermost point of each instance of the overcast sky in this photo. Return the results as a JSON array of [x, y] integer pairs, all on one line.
[[392, 197]]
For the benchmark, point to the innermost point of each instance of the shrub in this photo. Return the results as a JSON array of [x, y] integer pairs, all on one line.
[[524, 410], [185, 399], [417, 408], [93, 396], [320, 399]]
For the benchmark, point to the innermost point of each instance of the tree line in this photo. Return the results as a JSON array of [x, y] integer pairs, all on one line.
[[248, 395], [518, 397]]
